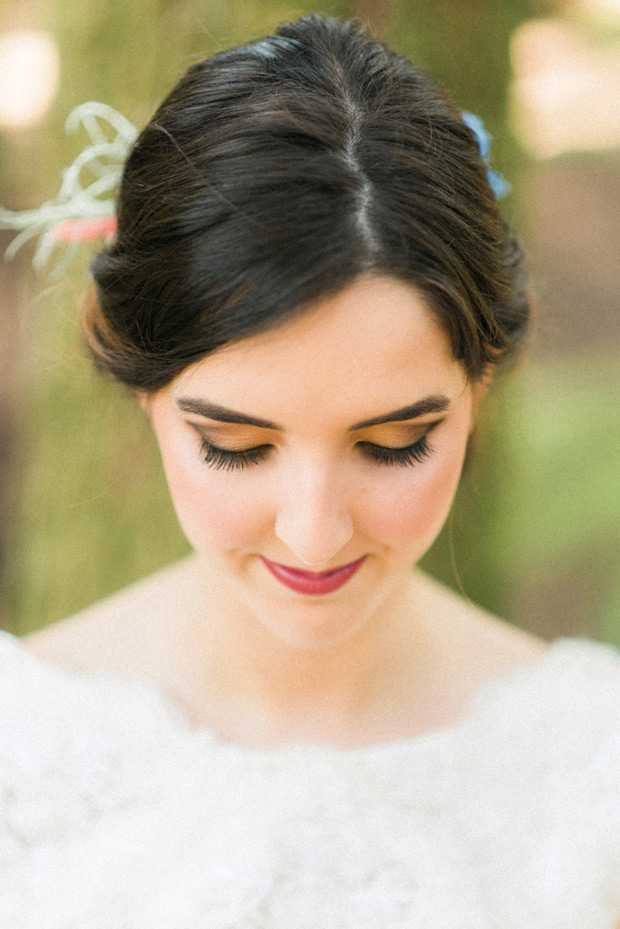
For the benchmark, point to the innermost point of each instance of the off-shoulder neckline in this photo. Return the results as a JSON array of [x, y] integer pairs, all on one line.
[[557, 650]]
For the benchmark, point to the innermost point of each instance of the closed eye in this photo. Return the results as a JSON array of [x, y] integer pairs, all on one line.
[[224, 459], [405, 456]]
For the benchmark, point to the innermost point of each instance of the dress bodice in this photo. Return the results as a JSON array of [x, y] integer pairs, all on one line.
[[116, 814]]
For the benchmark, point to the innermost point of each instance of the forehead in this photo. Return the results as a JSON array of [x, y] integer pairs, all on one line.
[[375, 341]]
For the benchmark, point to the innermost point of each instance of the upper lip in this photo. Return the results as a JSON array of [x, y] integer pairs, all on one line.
[[314, 574]]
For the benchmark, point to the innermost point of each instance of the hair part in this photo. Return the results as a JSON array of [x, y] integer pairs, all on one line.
[[276, 173]]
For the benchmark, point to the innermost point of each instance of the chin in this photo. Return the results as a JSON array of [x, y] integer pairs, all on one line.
[[303, 631], [323, 622]]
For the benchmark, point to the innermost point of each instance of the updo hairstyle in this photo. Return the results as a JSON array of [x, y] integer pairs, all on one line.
[[276, 173]]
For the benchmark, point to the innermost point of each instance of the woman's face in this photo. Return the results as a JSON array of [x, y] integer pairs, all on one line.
[[312, 465]]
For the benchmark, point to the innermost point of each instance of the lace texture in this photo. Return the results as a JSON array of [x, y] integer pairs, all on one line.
[[115, 814]]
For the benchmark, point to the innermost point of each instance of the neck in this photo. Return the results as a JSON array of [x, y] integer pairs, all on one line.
[[254, 688]]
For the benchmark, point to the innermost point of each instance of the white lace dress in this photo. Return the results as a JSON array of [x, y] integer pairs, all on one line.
[[115, 814]]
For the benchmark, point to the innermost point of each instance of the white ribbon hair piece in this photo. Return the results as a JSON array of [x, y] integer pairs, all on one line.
[[77, 204]]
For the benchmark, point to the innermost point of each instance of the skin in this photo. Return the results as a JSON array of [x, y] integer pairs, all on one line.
[[389, 654], [316, 502]]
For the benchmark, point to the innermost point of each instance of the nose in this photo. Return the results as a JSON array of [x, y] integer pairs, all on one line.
[[313, 518]]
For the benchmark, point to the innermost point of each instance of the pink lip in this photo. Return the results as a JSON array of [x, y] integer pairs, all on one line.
[[313, 582]]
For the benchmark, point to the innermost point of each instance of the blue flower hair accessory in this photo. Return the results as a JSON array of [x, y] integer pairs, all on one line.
[[498, 184]]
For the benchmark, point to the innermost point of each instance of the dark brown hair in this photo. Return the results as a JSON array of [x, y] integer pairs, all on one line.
[[276, 173]]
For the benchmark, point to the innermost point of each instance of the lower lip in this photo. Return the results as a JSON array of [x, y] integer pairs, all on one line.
[[309, 582]]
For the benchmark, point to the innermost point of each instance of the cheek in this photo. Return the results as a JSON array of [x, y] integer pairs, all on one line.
[[410, 511], [215, 509]]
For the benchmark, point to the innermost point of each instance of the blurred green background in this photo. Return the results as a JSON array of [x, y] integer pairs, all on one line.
[[535, 533]]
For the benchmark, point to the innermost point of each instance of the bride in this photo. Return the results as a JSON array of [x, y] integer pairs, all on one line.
[[310, 290]]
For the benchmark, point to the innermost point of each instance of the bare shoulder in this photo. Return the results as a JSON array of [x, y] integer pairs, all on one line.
[[112, 633]]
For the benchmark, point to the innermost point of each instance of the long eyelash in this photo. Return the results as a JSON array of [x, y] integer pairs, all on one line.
[[225, 460], [409, 455]]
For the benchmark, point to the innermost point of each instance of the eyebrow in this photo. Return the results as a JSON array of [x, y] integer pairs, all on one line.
[[433, 404], [438, 404], [220, 414]]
